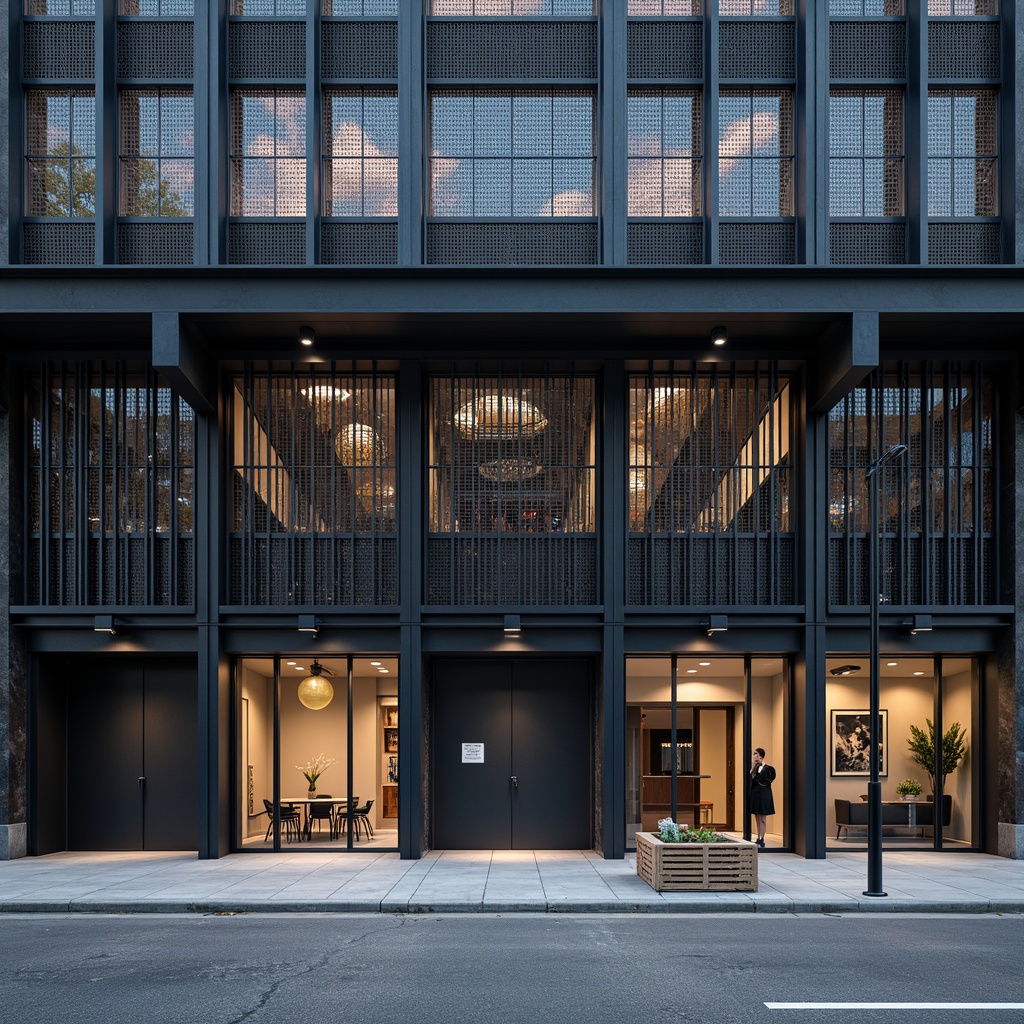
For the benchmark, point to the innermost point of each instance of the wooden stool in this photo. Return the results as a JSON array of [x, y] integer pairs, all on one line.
[[707, 812]]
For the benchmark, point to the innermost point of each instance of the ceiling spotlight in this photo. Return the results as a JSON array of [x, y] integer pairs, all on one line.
[[105, 624], [308, 624], [921, 624], [719, 336], [307, 336], [513, 625], [718, 624], [844, 670]]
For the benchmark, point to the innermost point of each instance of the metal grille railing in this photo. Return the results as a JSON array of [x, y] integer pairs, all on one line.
[[936, 512], [512, 490], [110, 489], [709, 487], [313, 508]]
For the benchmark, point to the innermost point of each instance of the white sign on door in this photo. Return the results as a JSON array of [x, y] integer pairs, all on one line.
[[472, 753]]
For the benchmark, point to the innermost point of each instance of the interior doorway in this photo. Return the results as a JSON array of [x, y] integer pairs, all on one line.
[[512, 755]]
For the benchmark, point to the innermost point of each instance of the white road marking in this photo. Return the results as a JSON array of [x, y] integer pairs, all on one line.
[[895, 1006]]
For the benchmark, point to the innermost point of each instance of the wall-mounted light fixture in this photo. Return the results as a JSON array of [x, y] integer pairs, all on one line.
[[513, 626], [844, 670], [920, 624], [719, 336], [315, 691], [308, 624], [105, 624], [307, 336], [718, 624]]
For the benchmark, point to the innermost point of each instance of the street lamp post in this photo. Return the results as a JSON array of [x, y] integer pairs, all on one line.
[[897, 451]]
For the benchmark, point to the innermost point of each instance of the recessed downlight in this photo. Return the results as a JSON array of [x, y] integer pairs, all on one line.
[[704, 664], [918, 673], [892, 664], [691, 671], [375, 664]]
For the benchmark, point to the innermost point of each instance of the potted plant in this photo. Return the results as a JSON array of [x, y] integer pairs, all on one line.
[[313, 769], [678, 858], [908, 788], [922, 749]]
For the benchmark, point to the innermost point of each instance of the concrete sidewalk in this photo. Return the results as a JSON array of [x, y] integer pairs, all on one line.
[[539, 881]]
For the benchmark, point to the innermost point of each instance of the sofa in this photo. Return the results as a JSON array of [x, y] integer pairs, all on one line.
[[854, 814]]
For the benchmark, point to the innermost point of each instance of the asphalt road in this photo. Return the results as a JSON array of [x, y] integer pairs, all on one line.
[[478, 968]]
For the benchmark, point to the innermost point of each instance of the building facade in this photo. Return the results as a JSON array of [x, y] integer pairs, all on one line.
[[509, 413]]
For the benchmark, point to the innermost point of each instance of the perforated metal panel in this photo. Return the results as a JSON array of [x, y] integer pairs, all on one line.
[[59, 50], [61, 8], [650, 244], [851, 244], [356, 243], [866, 8], [511, 8], [665, 49], [269, 8], [70, 244], [359, 8], [964, 245], [156, 8], [758, 49], [160, 243], [155, 49], [660, 8], [962, 8], [460, 244], [511, 49], [366, 50], [260, 243], [963, 49], [267, 50], [874, 49], [755, 8], [764, 244]]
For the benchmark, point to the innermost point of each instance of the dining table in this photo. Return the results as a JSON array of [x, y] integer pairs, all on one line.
[[305, 801]]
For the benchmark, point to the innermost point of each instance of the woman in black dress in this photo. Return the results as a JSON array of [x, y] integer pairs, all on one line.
[[762, 775]]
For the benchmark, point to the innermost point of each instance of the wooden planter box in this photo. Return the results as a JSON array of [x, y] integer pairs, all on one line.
[[711, 867]]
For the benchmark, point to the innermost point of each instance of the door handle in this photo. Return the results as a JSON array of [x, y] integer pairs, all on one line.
[[142, 780], [515, 781]]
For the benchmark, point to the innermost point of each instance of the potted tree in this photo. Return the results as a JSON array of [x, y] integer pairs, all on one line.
[[922, 749]]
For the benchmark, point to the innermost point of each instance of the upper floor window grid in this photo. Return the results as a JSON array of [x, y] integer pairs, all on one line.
[[962, 148], [755, 153], [962, 8], [664, 8], [866, 153], [268, 153], [755, 8], [866, 8], [269, 8], [156, 8], [156, 143], [60, 153], [360, 143], [359, 8], [512, 153], [61, 8], [665, 165], [513, 8]]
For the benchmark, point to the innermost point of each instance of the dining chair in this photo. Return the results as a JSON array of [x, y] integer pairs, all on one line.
[[341, 815], [290, 821], [320, 813], [361, 818]]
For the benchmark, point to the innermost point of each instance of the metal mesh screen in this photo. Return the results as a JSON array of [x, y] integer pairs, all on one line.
[[936, 507], [850, 244], [512, 8], [261, 243], [664, 8], [360, 147], [512, 490], [60, 152], [357, 243], [755, 153], [268, 153], [518, 153], [962, 150], [511, 49], [866, 148], [665, 49], [709, 487], [110, 488], [156, 156], [497, 244], [760, 49], [866, 8], [55, 50], [70, 244], [962, 8], [61, 8], [313, 509], [665, 150], [269, 8], [755, 8], [650, 243], [964, 49], [155, 49], [867, 49], [359, 8], [156, 8], [163, 243], [764, 244], [262, 50], [352, 49], [965, 245]]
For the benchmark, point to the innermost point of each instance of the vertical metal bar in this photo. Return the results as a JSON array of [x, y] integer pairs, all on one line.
[[711, 93], [277, 753], [748, 737], [314, 133], [612, 102], [349, 758], [675, 738], [938, 693], [413, 123]]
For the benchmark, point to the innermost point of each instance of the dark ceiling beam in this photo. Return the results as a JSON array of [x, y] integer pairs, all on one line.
[[179, 356], [847, 353]]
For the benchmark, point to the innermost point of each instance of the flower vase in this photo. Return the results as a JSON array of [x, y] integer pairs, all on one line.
[[312, 792]]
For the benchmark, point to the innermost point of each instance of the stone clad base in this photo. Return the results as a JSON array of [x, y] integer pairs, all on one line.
[[13, 841], [1011, 841], [710, 867]]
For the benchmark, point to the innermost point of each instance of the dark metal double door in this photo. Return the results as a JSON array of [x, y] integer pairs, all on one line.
[[512, 761]]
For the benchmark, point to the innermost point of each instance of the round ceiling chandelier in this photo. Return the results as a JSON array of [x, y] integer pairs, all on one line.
[[358, 444], [315, 691], [490, 417]]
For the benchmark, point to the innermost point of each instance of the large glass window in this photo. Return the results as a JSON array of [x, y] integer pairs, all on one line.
[[664, 8], [962, 152], [755, 8], [60, 152], [866, 153], [866, 8], [156, 143], [359, 8], [269, 8], [513, 8], [962, 8], [61, 8], [665, 150], [360, 145], [755, 153], [268, 153], [519, 153], [157, 8]]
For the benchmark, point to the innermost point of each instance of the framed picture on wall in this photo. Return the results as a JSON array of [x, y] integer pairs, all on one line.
[[851, 743], [391, 741], [390, 713]]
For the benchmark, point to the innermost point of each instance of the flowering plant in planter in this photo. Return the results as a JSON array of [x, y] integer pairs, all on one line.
[[670, 832], [314, 768], [908, 787]]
